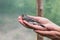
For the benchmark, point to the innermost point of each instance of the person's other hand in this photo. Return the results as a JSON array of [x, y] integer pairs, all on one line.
[[50, 30]]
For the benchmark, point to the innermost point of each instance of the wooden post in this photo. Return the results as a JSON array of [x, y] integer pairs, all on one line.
[[40, 7], [39, 13]]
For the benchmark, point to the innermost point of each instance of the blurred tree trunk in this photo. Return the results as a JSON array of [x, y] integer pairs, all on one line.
[[39, 13]]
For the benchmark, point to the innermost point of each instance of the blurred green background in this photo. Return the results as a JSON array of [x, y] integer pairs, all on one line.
[[52, 10], [10, 29]]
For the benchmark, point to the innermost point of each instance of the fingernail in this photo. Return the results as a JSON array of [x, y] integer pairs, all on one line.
[[19, 16]]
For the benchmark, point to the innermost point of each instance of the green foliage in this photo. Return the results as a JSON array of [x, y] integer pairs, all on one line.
[[52, 10], [17, 6], [11, 9]]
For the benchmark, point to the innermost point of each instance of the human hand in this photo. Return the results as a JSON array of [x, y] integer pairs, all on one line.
[[50, 30]]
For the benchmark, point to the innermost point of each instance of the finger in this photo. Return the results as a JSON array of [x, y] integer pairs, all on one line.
[[45, 32], [42, 20], [20, 20], [58, 34], [52, 26], [34, 17], [49, 34], [34, 26]]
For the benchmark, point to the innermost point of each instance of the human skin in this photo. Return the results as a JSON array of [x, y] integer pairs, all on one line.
[[50, 30]]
